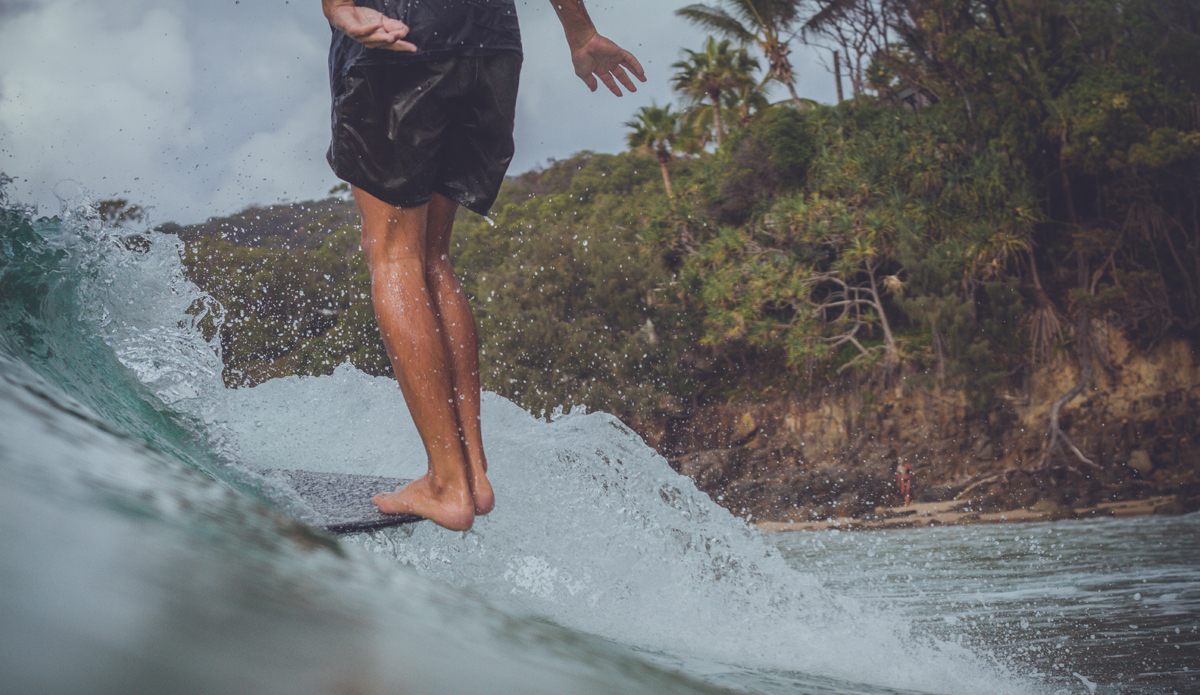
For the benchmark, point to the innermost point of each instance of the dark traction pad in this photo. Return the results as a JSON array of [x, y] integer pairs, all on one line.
[[338, 502]]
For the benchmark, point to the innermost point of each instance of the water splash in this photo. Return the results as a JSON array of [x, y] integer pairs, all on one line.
[[593, 531]]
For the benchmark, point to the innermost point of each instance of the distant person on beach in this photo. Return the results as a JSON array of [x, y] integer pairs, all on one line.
[[904, 476], [424, 94]]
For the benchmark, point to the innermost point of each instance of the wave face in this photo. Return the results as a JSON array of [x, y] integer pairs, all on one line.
[[143, 557]]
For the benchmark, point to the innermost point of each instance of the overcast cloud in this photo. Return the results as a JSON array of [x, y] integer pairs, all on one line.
[[203, 107]]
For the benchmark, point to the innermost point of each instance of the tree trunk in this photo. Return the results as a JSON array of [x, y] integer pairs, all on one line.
[[800, 105], [1083, 342], [1056, 437], [718, 128], [780, 67], [837, 73], [663, 158], [889, 340]]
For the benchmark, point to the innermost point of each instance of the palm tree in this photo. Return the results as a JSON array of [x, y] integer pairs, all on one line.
[[654, 129], [745, 102], [712, 73], [737, 108], [754, 21]]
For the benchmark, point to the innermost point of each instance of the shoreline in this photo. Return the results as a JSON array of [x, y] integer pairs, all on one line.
[[960, 513]]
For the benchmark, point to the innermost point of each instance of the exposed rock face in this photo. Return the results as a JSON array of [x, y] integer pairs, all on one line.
[[835, 453]]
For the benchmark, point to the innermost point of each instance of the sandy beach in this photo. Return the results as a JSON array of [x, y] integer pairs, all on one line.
[[957, 512]]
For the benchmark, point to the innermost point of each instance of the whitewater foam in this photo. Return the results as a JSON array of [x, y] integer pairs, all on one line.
[[593, 530]]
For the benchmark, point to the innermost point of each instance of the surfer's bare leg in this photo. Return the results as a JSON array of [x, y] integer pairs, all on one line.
[[395, 245], [463, 342]]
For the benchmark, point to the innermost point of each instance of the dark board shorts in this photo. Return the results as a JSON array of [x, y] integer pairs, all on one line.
[[404, 132]]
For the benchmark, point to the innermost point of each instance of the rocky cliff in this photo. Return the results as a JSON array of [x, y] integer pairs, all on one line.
[[834, 452]]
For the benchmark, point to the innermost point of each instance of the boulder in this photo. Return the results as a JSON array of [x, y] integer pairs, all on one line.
[[746, 427], [1139, 461]]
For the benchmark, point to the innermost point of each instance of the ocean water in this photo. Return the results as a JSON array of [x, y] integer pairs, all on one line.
[[139, 554]]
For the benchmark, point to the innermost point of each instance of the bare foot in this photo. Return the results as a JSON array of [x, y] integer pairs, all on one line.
[[481, 490], [448, 509]]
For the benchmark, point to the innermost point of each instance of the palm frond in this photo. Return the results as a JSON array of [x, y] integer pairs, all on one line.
[[830, 12], [717, 20]]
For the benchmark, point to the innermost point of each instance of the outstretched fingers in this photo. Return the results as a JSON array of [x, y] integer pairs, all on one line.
[[623, 76], [632, 65], [620, 73], [613, 65]]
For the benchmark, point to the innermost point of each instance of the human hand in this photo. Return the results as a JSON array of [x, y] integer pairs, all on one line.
[[371, 28], [599, 57]]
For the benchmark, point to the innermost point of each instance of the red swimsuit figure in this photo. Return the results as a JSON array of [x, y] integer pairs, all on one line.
[[904, 475]]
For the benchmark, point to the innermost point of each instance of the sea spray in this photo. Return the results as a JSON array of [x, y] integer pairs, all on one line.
[[132, 287], [58, 316], [131, 565], [593, 530], [126, 572]]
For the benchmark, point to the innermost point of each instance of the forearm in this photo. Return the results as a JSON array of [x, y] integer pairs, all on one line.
[[594, 56], [328, 6], [575, 21]]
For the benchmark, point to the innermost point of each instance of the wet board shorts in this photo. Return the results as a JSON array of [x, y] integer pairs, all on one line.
[[404, 132]]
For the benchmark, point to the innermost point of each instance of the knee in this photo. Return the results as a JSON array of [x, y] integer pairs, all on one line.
[[438, 269], [384, 252], [392, 235]]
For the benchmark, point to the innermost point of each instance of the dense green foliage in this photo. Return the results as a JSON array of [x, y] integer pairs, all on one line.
[[1051, 177], [564, 291]]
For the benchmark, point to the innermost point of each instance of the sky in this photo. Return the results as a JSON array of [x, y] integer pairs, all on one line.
[[201, 108]]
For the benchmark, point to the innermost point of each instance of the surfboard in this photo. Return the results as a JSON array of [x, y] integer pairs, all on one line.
[[336, 502]]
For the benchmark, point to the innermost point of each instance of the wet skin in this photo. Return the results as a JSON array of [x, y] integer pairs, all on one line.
[[429, 332], [422, 312]]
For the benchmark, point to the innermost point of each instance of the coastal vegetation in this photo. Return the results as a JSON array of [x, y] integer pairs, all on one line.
[[1013, 186]]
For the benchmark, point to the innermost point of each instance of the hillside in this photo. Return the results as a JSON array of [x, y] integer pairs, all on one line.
[[572, 313], [986, 264]]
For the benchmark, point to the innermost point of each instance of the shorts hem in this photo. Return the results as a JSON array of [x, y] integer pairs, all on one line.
[[479, 207], [476, 206]]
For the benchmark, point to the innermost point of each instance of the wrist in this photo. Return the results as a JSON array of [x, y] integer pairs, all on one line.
[[579, 38], [329, 7], [576, 23]]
